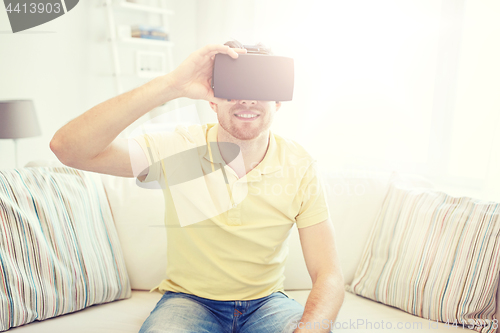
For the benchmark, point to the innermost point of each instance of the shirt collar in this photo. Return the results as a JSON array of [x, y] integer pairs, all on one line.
[[271, 162]]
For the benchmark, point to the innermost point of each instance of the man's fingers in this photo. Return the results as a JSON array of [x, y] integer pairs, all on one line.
[[235, 51], [229, 52], [211, 50]]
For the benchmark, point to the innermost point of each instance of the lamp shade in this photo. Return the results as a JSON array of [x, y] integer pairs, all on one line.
[[18, 119]]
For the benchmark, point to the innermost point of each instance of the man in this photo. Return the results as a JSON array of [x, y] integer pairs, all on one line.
[[225, 263]]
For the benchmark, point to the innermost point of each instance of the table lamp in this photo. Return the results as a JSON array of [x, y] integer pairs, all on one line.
[[18, 120]]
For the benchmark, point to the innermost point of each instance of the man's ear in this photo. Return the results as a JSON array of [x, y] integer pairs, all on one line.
[[278, 105], [213, 106]]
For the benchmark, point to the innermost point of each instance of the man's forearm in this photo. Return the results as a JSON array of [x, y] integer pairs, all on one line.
[[90, 133], [322, 306]]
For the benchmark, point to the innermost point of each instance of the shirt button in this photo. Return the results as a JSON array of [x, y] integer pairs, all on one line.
[[234, 205]]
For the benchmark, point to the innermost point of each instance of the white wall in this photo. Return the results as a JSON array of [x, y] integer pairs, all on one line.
[[48, 64], [410, 85], [475, 135], [65, 67]]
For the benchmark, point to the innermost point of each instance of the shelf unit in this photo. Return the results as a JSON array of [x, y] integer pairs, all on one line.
[[144, 41], [117, 42], [151, 9]]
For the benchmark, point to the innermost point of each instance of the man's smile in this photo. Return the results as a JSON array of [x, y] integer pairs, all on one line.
[[247, 115]]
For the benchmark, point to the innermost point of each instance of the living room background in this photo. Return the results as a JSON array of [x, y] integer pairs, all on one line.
[[409, 86]]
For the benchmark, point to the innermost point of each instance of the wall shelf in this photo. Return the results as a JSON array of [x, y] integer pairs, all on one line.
[[146, 41], [144, 8], [121, 41]]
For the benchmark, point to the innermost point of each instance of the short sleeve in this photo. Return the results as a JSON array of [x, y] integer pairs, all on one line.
[[157, 147], [313, 207], [150, 144]]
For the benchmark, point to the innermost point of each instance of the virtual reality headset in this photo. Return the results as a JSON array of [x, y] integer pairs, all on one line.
[[258, 77]]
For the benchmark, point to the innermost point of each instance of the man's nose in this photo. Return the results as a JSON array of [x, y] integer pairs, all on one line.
[[247, 102]]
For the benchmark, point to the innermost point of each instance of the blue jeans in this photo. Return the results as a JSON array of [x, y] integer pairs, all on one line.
[[182, 313]]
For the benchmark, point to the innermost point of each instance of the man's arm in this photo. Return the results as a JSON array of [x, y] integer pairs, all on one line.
[[89, 142], [327, 294]]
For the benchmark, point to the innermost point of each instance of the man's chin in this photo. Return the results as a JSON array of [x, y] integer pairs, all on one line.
[[245, 135], [245, 132]]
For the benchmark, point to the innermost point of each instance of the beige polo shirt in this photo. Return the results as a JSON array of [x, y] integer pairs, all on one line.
[[227, 238]]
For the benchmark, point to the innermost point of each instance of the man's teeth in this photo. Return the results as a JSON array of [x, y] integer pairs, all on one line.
[[246, 115]]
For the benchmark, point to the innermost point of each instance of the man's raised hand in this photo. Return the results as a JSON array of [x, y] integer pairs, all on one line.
[[193, 77]]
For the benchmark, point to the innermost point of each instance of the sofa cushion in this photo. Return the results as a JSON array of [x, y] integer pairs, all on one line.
[[434, 256], [358, 314], [122, 316], [139, 218], [59, 251]]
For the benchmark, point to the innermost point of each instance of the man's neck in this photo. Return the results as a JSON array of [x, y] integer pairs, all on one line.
[[252, 152]]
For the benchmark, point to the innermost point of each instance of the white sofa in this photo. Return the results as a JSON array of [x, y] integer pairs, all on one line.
[[354, 198]]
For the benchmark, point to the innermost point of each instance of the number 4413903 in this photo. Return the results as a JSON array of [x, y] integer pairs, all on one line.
[[35, 7]]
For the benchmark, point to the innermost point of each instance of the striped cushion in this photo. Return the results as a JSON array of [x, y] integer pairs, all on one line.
[[59, 250], [434, 256]]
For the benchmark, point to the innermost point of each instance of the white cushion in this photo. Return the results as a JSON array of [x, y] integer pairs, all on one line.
[[116, 317], [139, 220]]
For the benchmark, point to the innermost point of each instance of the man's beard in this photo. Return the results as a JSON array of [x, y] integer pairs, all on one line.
[[240, 133], [247, 132]]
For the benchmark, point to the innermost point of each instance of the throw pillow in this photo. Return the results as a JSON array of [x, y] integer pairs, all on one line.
[[59, 251], [434, 256]]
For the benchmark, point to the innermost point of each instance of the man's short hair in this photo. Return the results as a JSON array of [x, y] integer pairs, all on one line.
[[257, 48]]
